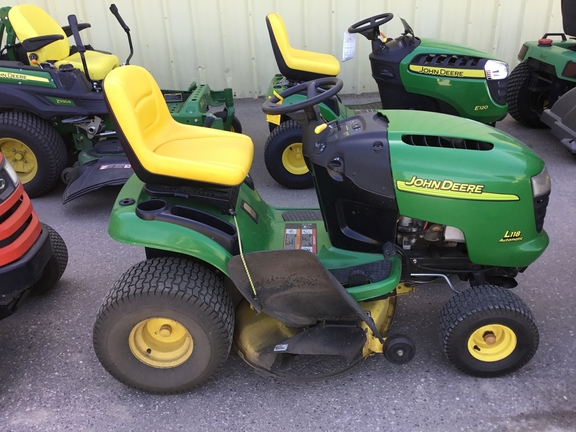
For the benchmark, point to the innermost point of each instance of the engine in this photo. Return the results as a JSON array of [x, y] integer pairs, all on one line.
[[410, 230]]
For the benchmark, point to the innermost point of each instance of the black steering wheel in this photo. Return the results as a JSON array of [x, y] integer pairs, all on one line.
[[363, 27], [313, 96]]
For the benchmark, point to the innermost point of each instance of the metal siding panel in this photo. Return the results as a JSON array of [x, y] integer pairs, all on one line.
[[455, 21], [481, 25], [224, 43]]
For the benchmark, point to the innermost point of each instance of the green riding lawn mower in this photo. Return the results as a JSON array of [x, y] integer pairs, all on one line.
[[541, 87], [406, 197], [411, 73], [53, 119]]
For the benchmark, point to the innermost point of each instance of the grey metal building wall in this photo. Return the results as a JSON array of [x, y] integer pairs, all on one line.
[[224, 43]]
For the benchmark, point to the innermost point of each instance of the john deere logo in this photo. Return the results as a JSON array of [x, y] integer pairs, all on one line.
[[13, 76], [21, 77], [448, 72], [451, 189]]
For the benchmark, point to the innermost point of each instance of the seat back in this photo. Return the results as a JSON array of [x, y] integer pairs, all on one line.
[[160, 149], [295, 64], [137, 105], [30, 21], [569, 16], [279, 40]]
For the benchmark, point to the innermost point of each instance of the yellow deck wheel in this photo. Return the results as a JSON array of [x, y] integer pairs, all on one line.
[[491, 343], [160, 343]]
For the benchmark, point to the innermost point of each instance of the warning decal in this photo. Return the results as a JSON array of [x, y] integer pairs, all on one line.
[[300, 236]]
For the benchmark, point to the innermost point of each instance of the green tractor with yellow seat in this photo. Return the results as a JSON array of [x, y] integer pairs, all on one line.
[[53, 119], [411, 73], [405, 197]]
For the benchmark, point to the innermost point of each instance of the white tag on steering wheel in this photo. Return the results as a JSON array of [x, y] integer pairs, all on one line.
[[349, 46]]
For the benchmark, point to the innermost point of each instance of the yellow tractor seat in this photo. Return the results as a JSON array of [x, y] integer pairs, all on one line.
[[31, 23], [163, 151], [295, 64]]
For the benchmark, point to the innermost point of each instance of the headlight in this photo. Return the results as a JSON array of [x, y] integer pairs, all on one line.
[[541, 184], [496, 70], [11, 173]]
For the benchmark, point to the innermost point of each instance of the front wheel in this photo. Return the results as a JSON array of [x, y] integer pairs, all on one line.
[[284, 157], [55, 266], [166, 327], [526, 104], [34, 148], [488, 331]]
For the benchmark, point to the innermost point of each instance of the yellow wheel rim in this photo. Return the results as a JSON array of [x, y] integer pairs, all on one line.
[[160, 343], [293, 159], [492, 343], [21, 157]]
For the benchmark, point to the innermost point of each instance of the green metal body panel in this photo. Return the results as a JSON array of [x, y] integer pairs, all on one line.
[[28, 77], [469, 96], [128, 228], [509, 237], [265, 231], [556, 56], [191, 106]]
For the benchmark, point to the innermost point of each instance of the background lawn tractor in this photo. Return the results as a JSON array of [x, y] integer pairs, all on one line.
[[541, 87], [308, 293], [411, 73], [33, 256], [52, 112]]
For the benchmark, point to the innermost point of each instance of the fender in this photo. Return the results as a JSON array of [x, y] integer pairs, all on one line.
[[551, 59], [48, 93], [126, 227], [482, 102]]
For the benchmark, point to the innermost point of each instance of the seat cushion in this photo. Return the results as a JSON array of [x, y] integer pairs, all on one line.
[[99, 64], [201, 154], [157, 144]]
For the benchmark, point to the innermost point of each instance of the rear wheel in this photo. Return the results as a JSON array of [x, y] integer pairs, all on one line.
[[525, 104], [34, 148], [488, 331], [55, 266], [166, 326], [284, 157]]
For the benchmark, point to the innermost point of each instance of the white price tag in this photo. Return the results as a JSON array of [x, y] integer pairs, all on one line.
[[349, 46]]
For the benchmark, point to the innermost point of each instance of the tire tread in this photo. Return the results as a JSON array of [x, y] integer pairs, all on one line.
[[478, 301], [518, 107], [51, 143], [201, 287], [273, 157]]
